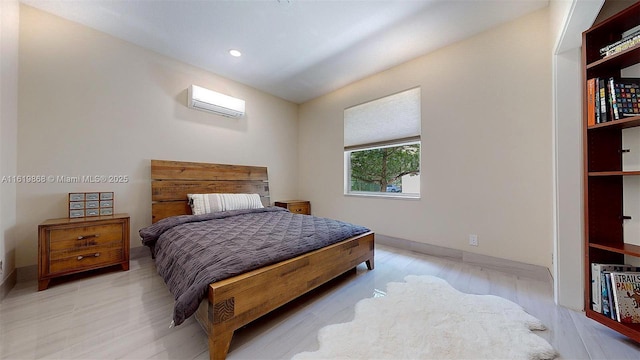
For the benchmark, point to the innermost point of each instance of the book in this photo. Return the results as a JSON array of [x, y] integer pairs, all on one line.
[[604, 100], [611, 307], [596, 281], [631, 32], [591, 102], [626, 293], [614, 106], [629, 39], [625, 97], [597, 102], [606, 305]]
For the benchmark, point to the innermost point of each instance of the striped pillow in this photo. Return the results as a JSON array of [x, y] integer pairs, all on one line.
[[208, 203]]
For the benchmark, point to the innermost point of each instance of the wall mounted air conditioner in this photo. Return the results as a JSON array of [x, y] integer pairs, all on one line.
[[206, 100]]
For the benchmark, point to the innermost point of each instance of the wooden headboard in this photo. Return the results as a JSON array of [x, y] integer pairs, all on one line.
[[171, 181]]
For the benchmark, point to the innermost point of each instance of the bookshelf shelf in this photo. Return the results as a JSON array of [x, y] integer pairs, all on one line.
[[629, 330], [618, 124], [614, 173], [611, 63], [624, 248], [603, 171]]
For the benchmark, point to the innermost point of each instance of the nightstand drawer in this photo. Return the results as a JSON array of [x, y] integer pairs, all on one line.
[[84, 249], [61, 239], [86, 258], [299, 209], [295, 206]]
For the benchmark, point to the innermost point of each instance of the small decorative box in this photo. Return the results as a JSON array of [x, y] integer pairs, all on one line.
[[76, 197], [76, 213], [75, 205], [92, 212], [90, 204]]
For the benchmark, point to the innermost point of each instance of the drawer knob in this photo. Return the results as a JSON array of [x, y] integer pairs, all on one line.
[[88, 236]]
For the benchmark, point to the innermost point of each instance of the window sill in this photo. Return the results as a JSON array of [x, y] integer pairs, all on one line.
[[385, 196]]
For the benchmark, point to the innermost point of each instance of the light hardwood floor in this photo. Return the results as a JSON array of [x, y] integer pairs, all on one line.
[[125, 315]]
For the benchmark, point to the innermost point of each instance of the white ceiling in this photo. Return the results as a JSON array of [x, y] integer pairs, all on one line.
[[297, 49]]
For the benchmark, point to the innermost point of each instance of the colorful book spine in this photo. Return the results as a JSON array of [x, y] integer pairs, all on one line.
[[612, 99], [612, 309], [626, 93], [606, 305], [597, 102], [591, 102], [603, 100]]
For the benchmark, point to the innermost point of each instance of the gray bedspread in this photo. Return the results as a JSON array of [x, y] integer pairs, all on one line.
[[192, 251]]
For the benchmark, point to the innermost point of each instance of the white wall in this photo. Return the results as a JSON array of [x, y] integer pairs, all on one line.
[[486, 146], [9, 20], [570, 226], [91, 104]]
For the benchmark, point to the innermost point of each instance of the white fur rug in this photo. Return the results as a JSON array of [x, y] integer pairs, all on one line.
[[426, 318]]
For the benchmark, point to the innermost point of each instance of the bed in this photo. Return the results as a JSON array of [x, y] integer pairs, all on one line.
[[235, 301]]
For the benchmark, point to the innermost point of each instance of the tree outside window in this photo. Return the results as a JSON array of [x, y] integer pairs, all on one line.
[[383, 169]]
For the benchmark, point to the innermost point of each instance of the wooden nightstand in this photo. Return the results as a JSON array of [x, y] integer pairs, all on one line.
[[69, 246], [296, 206]]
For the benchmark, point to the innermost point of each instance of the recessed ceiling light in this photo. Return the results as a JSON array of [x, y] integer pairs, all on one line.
[[235, 53]]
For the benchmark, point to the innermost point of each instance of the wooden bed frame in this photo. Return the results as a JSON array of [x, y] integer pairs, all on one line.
[[236, 301]]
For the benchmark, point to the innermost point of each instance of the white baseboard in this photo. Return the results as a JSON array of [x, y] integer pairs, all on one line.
[[27, 273], [489, 262], [8, 284]]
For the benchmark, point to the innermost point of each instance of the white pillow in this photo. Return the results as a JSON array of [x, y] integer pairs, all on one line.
[[208, 203]]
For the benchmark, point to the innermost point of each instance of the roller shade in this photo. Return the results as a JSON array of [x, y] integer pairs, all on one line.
[[383, 121]]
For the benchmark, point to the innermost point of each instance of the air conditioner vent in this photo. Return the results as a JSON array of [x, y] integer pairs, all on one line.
[[207, 100]]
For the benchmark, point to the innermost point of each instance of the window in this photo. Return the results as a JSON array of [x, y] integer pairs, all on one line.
[[382, 146]]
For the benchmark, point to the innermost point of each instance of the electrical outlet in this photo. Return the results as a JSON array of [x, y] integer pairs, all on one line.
[[473, 240]]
